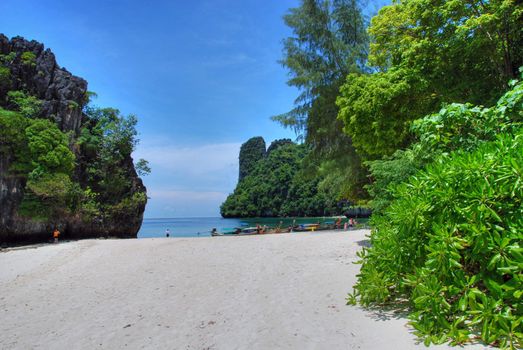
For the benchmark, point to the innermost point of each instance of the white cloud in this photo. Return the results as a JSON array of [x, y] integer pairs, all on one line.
[[188, 181], [195, 161]]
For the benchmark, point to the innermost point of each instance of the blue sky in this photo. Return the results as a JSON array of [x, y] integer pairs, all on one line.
[[202, 77]]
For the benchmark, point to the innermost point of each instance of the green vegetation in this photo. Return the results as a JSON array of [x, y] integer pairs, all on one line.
[[40, 155], [276, 184], [29, 106], [250, 153], [44, 158], [329, 41], [454, 229], [107, 140], [424, 56], [420, 116], [28, 58]]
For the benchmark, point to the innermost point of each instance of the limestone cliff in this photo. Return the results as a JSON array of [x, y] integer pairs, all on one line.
[[33, 69]]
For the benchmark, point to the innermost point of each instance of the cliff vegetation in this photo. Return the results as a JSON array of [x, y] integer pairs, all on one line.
[[65, 163], [275, 183]]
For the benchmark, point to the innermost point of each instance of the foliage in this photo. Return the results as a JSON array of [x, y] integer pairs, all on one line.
[[5, 75], [86, 174], [426, 54], [376, 110], [457, 126], [48, 148], [29, 106], [250, 153], [278, 143], [5, 72], [40, 155], [12, 136], [107, 140], [142, 167], [73, 105], [128, 205], [50, 168], [28, 58], [449, 238], [278, 186], [329, 41], [8, 58]]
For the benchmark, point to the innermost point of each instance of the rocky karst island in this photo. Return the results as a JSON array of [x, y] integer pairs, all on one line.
[[64, 164]]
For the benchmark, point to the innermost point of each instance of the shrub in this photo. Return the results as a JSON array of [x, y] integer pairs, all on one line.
[[455, 127], [28, 58], [448, 235], [29, 106], [450, 244]]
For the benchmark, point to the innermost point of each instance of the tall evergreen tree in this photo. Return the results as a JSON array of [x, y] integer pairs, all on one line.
[[329, 41]]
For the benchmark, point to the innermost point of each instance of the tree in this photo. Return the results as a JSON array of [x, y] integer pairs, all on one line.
[[142, 167], [107, 140], [427, 53], [329, 41]]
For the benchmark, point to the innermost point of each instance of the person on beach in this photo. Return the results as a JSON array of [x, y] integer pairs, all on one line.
[[351, 222], [56, 234], [167, 233]]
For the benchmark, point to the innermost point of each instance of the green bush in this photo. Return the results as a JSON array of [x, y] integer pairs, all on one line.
[[29, 106], [5, 76], [450, 244], [28, 58], [455, 127], [448, 240]]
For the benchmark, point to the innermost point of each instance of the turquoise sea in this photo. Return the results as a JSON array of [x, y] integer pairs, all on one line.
[[201, 227]]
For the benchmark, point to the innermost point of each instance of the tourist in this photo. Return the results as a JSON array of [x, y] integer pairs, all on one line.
[[56, 234], [167, 233]]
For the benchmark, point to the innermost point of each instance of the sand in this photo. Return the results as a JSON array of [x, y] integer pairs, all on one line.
[[282, 291]]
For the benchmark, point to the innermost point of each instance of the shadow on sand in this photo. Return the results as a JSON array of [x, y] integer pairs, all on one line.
[[364, 243]]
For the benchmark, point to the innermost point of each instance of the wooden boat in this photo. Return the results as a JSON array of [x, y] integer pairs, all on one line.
[[249, 231], [317, 227]]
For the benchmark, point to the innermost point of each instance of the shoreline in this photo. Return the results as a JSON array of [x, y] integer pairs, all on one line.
[[283, 291]]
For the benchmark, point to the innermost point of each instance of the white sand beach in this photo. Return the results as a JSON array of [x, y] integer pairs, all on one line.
[[257, 292]]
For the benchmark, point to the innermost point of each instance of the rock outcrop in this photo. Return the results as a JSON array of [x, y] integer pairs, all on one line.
[[62, 93], [33, 69], [250, 153]]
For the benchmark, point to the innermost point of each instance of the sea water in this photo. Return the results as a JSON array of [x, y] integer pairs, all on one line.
[[201, 227]]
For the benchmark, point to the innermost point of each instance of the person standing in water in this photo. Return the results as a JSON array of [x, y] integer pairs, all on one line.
[[167, 233]]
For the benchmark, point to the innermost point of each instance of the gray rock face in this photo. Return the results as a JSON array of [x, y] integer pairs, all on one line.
[[63, 93], [63, 96]]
